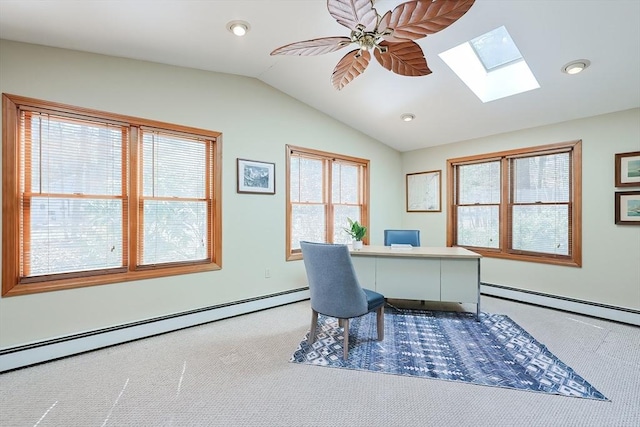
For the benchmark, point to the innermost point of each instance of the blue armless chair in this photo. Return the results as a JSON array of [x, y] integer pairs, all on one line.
[[407, 237], [335, 290]]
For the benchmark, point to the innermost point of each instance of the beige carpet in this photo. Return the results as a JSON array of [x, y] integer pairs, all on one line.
[[236, 372]]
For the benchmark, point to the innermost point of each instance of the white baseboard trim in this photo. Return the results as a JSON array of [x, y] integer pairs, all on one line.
[[602, 311], [34, 353], [31, 354]]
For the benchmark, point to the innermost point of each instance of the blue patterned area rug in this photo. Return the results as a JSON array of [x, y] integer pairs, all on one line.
[[448, 346]]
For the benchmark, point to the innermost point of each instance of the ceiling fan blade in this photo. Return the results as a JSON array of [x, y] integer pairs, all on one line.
[[313, 47], [415, 19], [404, 58], [350, 13], [350, 66]]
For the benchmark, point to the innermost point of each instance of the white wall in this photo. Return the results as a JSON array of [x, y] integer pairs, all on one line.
[[610, 272], [256, 121]]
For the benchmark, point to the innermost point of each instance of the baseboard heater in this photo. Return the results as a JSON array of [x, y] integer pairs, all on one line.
[[44, 351], [603, 311]]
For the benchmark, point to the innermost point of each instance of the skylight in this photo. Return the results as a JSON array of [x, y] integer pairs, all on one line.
[[491, 66]]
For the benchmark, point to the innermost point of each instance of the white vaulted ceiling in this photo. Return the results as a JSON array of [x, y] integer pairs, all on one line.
[[193, 34]]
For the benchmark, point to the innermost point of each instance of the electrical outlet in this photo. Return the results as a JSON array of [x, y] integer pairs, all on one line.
[[267, 273]]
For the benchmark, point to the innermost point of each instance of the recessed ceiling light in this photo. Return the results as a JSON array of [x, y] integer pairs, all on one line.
[[239, 28], [574, 67], [407, 117]]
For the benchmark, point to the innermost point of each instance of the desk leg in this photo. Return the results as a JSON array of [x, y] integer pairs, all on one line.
[[478, 304]]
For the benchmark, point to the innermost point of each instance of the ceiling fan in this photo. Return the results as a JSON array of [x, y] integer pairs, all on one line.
[[391, 37]]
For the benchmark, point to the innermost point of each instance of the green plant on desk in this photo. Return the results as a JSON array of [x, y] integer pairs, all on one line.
[[356, 230]]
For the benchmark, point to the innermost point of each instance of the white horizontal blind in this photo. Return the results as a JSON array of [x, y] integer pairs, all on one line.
[[478, 204], [175, 200], [73, 194], [324, 189], [346, 198], [541, 206], [307, 198]]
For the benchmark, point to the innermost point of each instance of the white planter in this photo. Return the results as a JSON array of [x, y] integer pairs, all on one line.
[[357, 245]]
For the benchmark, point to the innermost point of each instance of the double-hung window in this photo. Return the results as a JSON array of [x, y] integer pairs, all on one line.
[[173, 212], [95, 198], [323, 190], [522, 204]]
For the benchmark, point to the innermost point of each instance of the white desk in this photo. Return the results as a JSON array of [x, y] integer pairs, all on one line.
[[420, 273]]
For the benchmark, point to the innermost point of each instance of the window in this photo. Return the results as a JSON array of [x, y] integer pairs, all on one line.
[[323, 190], [496, 49], [94, 198], [491, 66], [522, 204]]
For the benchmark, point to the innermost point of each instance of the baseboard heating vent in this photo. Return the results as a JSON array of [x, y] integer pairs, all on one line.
[[44, 351], [603, 311]]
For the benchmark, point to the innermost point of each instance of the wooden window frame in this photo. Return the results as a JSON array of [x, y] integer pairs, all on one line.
[[13, 284], [505, 251], [327, 159]]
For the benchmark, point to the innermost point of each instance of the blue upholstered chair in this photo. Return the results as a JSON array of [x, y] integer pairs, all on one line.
[[407, 237], [335, 290]]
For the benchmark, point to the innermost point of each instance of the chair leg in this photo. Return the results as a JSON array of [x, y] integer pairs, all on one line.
[[314, 325], [380, 324], [345, 354]]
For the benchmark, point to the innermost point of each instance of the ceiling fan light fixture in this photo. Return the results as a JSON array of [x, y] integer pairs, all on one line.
[[389, 38], [407, 117], [575, 67], [239, 28]]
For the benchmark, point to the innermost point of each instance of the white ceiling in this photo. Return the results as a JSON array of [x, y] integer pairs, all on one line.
[[192, 33]]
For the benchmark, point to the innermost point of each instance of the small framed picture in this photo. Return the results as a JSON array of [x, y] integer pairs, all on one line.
[[627, 207], [256, 177], [628, 169], [423, 191]]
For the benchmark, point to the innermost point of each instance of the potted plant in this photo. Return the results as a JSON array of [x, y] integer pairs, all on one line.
[[357, 232]]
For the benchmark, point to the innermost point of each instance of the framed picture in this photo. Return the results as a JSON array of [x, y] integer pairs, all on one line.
[[423, 191], [628, 169], [256, 177], [627, 207]]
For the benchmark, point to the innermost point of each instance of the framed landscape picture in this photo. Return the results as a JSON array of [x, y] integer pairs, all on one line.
[[628, 169], [256, 177], [423, 191], [627, 207]]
